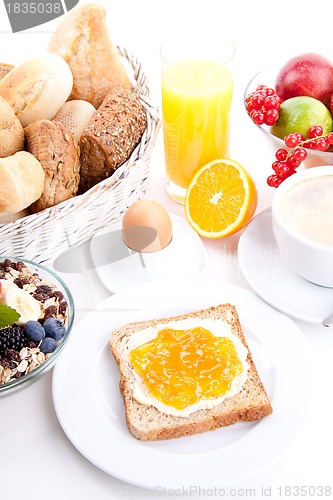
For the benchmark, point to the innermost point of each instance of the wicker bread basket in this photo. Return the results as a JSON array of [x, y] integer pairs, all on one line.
[[41, 237]]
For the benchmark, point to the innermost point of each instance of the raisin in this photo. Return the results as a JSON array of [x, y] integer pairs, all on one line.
[[8, 363], [20, 265], [62, 307], [18, 282], [58, 295], [12, 355], [50, 311], [44, 289], [41, 296]]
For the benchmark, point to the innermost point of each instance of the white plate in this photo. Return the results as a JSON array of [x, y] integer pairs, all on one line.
[[273, 280], [119, 268], [90, 409]]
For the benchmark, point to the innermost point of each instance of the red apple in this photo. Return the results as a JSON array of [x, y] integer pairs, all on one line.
[[306, 75]]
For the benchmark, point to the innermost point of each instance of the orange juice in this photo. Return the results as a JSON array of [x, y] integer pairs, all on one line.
[[196, 101]]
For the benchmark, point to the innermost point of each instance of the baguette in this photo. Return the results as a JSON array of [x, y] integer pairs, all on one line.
[[82, 38], [148, 423]]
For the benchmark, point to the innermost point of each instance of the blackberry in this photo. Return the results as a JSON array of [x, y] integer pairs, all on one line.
[[12, 337]]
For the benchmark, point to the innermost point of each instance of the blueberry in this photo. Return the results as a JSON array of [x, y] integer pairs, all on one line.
[[54, 328], [48, 345], [34, 331]]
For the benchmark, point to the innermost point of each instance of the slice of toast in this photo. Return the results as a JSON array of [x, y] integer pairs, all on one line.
[[148, 423]]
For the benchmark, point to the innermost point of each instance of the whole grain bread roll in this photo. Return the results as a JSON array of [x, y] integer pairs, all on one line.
[[75, 116], [83, 40], [54, 146], [37, 88], [21, 182], [11, 131], [112, 134]]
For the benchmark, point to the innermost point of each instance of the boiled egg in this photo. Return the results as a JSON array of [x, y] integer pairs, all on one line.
[[146, 226]]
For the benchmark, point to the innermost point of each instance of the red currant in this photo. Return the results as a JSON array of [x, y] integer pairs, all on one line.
[[272, 102], [329, 138], [257, 102], [265, 101], [322, 144], [281, 154], [309, 144], [270, 91], [271, 117], [299, 136], [277, 165], [300, 154], [315, 131], [274, 181], [293, 161], [257, 116], [291, 140]]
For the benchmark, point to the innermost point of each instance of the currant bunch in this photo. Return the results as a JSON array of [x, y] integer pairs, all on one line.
[[263, 106], [287, 161]]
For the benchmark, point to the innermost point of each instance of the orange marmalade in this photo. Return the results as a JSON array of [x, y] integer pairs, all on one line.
[[182, 367]]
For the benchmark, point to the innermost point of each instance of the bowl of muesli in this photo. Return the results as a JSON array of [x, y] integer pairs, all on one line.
[[36, 318]]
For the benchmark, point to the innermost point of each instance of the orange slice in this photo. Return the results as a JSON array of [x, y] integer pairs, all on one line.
[[221, 199]]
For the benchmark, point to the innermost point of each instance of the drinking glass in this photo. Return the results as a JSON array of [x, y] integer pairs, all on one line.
[[197, 88]]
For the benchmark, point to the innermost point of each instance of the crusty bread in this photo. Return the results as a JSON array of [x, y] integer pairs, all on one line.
[[83, 40], [148, 423], [11, 131], [21, 182], [75, 116], [37, 88], [5, 69]]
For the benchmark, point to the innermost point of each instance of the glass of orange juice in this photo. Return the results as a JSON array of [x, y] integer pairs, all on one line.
[[197, 88]]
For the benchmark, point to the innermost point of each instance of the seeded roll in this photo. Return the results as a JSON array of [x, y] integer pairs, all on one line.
[[112, 134], [54, 146]]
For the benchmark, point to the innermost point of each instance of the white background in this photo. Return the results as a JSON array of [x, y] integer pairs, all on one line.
[[36, 459]]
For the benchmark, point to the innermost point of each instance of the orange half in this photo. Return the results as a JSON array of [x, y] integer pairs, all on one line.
[[221, 199]]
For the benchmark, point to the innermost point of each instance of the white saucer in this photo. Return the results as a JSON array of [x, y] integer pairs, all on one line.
[[263, 267], [184, 257]]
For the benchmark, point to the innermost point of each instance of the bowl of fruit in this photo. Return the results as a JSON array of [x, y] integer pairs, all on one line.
[[36, 318], [292, 105]]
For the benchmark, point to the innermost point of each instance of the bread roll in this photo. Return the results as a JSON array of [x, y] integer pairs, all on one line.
[[53, 145], [37, 88], [11, 131], [83, 40], [75, 116], [5, 69], [21, 182], [111, 136]]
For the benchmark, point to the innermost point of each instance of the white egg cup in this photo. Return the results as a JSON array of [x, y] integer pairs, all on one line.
[[185, 256]]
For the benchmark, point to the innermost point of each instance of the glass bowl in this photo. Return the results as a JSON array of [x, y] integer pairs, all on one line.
[[53, 279], [267, 77]]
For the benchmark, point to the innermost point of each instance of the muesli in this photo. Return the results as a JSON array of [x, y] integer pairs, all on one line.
[[32, 339]]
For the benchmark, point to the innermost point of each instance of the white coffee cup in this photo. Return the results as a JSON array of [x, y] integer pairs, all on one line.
[[302, 216]]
